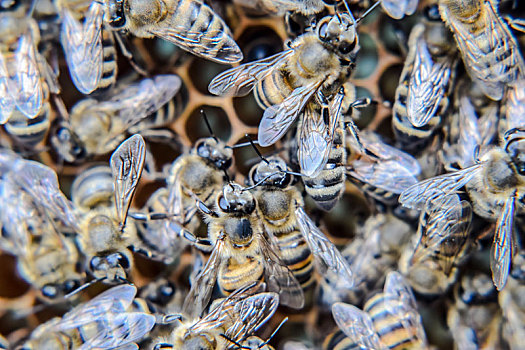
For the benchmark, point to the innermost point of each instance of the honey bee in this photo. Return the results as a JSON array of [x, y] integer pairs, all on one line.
[[97, 127], [443, 243], [383, 171], [515, 105], [89, 49], [45, 259], [511, 302], [228, 324], [475, 317], [240, 253], [389, 320], [103, 322], [300, 242], [422, 96], [285, 92], [489, 50], [189, 24], [495, 189]]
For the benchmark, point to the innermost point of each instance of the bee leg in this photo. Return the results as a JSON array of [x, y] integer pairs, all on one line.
[[202, 244], [516, 23], [129, 56], [148, 217]]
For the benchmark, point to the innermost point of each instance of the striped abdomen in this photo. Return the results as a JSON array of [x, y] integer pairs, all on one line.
[[384, 196], [326, 188], [339, 341], [215, 40], [273, 89], [29, 132], [238, 272], [109, 63], [162, 117], [388, 327]]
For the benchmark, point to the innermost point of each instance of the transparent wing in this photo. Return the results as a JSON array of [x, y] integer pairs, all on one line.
[[137, 101], [253, 312], [469, 136], [226, 312], [126, 166], [501, 252], [239, 81], [113, 301], [82, 46], [175, 195], [427, 85], [277, 119], [417, 195], [516, 105], [405, 308], [200, 292], [15, 212], [279, 277], [41, 183], [397, 9], [357, 326], [314, 142], [26, 81], [387, 175], [7, 102], [444, 227], [119, 330], [328, 258]]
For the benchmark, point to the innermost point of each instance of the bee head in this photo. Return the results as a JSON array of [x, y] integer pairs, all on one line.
[[67, 144], [115, 12], [215, 152], [271, 172], [477, 289], [113, 267], [338, 32], [515, 148], [235, 200], [162, 294]]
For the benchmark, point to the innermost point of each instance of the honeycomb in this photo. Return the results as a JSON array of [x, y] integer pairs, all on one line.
[[379, 65]]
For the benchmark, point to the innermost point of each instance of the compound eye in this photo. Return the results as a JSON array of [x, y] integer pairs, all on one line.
[[123, 261], [224, 205], [95, 263], [50, 291], [345, 47], [432, 13], [322, 32], [71, 285]]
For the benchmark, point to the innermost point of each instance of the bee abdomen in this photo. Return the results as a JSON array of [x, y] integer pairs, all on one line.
[[215, 40], [296, 254], [272, 90], [338, 341], [236, 275], [109, 63], [29, 132]]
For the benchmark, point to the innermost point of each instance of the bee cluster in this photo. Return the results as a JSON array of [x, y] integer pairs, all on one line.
[[173, 174]]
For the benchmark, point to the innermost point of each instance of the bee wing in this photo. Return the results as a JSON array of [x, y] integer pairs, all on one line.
[[516, 105], [41, 183], [403, 305], [214, 43], [426, 86], [15, 211], [175, 195], [388, 175], [7, 102], [326, 254], [417, 195], [113, 301], [126, 166], [279, 277], [469, 136], [252, 312], [444, 225], [357, 326], [225, 312], [278, 118], [239, 81], [82, 46], [26, 81], [137, 101], [501, 251], [373, 142], [397, 9], [120, 331], [200, 292]]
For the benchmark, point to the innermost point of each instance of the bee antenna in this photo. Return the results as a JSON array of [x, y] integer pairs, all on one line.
[[205, 117], [275, 331], [244, 144], [32, 8], [227, 176], [256, 149], [233, 342], [338, 16], [85, 286], [347, 7], [367, 12]]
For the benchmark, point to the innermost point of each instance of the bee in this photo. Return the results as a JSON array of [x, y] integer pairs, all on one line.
[[443, 243], [489, 50], [240, 253], [514, 106], [97, 127], [389, 320], [494, 186], [189, 24], [89, 48], [228, 324], [300, 242], [422, 95], [103, 322], [510, 300], [382, 171], [475, 317], [45, 259]]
